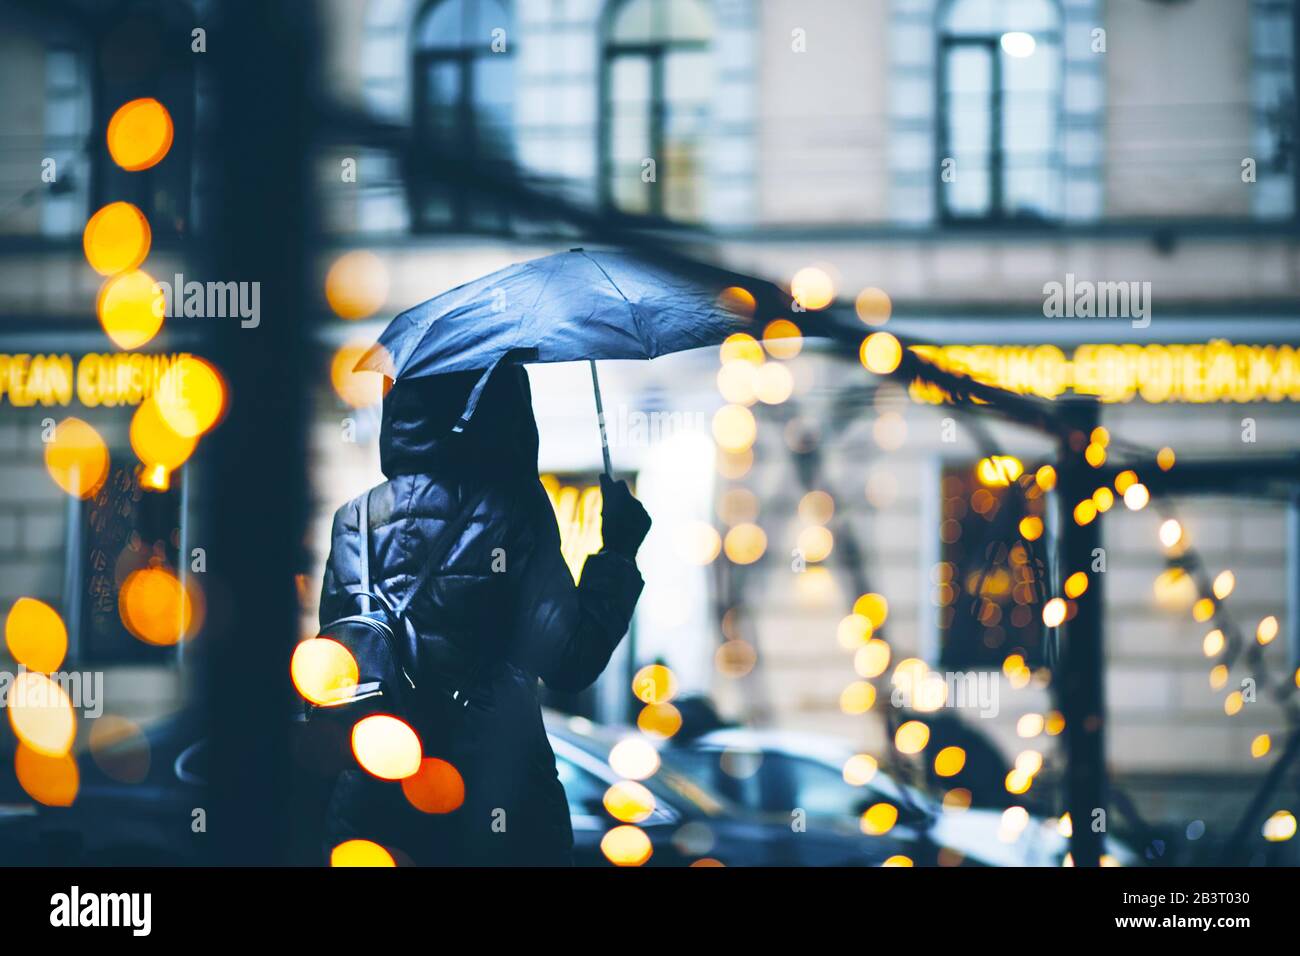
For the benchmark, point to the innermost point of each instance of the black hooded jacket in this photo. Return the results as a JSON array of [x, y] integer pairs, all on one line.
[[500, 610]]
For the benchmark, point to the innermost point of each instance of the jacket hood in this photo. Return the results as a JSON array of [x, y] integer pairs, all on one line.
[[418, 433]]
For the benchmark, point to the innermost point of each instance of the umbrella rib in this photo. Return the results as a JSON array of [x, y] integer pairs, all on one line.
[[636, 319], [519, 329]]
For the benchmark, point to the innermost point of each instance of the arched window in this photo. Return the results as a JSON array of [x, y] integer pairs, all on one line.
[[658, 85], [999, 107], [462, 100]]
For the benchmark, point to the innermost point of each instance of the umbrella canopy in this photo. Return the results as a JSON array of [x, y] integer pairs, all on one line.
[[565, 307]]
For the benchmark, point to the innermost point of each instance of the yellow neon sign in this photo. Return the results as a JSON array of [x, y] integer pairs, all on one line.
[[577, 511], [1195, 373], [109, 379]]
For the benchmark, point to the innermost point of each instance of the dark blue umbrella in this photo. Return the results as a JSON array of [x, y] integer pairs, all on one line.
[[567, 307]]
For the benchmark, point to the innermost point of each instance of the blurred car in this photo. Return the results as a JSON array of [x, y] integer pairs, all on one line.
[[774, 772], [690, 821], [148, 823]]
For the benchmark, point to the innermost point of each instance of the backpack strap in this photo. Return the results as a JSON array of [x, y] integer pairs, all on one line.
[[439, 550], [355, 591], [364, 527]]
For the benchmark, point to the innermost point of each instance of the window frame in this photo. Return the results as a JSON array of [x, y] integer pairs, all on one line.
[[461, 204], [80, 549], [656, 52], [955, 649], [946, 42]]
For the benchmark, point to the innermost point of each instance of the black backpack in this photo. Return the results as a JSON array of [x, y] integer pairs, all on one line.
[[380, 636]]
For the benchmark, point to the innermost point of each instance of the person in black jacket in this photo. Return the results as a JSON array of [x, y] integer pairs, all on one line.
[[499, 612]]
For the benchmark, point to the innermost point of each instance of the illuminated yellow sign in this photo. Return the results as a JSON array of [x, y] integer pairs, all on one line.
[[1216, 371], [577, 511], [110, 378]]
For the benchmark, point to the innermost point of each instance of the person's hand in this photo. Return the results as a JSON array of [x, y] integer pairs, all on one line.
[[623, 522]]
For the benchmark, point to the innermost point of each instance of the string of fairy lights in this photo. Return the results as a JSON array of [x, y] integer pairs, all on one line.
[[746, 379]]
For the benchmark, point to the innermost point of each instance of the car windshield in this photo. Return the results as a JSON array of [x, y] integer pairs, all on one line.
[[776, 782], [586, 789], [689, 788], [821, 788]]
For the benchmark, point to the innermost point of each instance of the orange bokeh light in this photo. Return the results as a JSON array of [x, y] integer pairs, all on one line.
[[324, 671], [626, 845], [131, 309], [41, 714], [356, 285], [386, 747], [737, 300], [878, 819], [437, 787], [629, 802], [140, 134], [358, 389], [880, 353], [116, 239], [156, 608], [873, 306], [35, 635], [813, 288], [77, 458], [360, 853], [654, 684], [154, 441], [191, 396], [51, 780], [782, 339], [659, 720]]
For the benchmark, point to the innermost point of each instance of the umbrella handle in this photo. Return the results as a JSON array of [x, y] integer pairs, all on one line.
[[600, 417]]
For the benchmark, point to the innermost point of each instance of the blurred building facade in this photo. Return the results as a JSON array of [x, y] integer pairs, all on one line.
[[899, 146], [66, 68], [922, 148]]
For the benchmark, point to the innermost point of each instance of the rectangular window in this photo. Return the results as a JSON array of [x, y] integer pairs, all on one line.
[[123, 528], [991, 579], [970, 109], [998, 126], [67, 125], [463, 109], [575, 496]]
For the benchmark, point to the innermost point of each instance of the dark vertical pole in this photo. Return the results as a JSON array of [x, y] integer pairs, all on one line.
[[1293, 582], [941, 129], [1294, 119], [183, 533], [658, 109], [74, 582], [261, 53], [997, 161], [466, 132], [1081, 668]]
